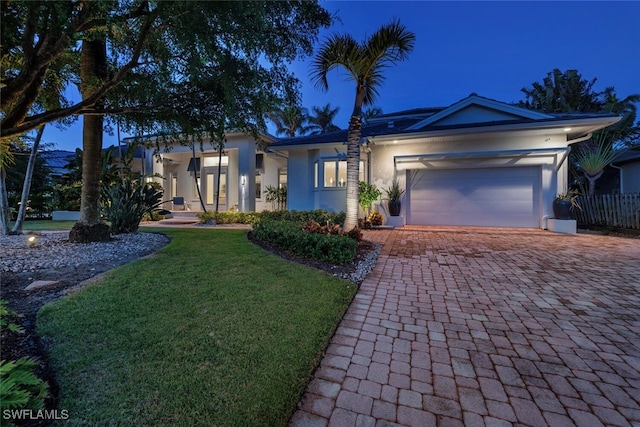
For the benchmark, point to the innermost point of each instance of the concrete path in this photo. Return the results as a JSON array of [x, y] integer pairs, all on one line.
[[486, 327]]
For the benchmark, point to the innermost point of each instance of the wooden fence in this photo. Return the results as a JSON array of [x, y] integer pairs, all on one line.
[[611, 210]]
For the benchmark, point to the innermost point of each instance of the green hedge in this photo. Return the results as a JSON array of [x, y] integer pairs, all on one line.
[[318, 215], [229, 217], [288, 235]]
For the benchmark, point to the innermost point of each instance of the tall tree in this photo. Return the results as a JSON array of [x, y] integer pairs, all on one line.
[[564, 92], [174, 68], [568, 92], [290, 121], [364, 62], [321, 119], [26, 186]]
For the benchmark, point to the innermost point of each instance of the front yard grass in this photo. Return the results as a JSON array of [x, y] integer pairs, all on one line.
[[212, 331]]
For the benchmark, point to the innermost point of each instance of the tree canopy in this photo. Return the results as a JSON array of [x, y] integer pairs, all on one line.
[[171, 66]]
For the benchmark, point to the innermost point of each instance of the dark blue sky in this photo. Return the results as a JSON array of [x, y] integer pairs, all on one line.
[[490, 48]]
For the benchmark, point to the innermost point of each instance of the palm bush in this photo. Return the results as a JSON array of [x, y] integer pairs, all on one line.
[[125, 203]]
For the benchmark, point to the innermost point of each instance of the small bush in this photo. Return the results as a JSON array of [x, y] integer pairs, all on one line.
[[319, 215], [20, 388], [288, 235], [228, 217], [375, 218], [153, 216]]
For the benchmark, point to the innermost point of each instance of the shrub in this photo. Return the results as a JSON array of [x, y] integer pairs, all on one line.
[[375, 218], [20, 388], [367, 194], [228, 217], [125, 203], [319, 215], [288, 235]]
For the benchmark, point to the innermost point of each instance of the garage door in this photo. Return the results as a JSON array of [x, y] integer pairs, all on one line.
[[496, 197]]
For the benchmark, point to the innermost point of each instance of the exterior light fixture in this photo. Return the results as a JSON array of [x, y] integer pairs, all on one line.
[[567, 129], [31, 240], [243, 180]]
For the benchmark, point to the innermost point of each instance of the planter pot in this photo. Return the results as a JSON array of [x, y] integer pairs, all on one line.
[[562, 209], [394, 207]]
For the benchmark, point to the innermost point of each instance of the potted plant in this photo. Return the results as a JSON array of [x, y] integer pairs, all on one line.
[[563, 203], [394, 193]]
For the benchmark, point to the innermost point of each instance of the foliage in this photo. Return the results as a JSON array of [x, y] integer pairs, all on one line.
[[290, 121], [367, 194], [224, 330], [369, 113], [564, 92], [318, 215], [289, 236], [208, 58], [277, 196], [125, 203], [375, 218], [570, 196], [154, 216], [321, 119], [364, 62], [228, 217], [394, 192], [20, 388], [40, 201], [68, 187]]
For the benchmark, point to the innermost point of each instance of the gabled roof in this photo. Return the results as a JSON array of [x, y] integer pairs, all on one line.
[[472, 114], [478, 109]]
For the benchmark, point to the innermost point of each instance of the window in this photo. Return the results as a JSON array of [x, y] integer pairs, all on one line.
[[213, 161], [335, 173], [258, 186], [282, 177], [174, 185], [330, 174], [210, 189]]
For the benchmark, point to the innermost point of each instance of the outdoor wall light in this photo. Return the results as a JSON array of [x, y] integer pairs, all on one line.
[[243, 180]]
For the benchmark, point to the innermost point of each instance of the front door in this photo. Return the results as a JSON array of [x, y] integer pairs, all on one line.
[[211, 187]]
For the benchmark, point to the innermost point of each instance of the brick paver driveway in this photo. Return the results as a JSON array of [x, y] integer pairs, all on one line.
[[487, 327]]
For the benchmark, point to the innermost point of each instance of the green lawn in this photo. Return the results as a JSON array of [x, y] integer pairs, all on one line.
[[214, 331], [47, 225]]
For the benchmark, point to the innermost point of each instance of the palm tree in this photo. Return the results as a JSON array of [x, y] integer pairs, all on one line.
[[321, 121], [369, 113], [290, 121], [364, 63]]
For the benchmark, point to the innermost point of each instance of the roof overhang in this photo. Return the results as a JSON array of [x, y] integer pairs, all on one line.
[[576, 129]]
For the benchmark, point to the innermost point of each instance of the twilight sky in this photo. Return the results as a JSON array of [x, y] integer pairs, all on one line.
[[491, 48]]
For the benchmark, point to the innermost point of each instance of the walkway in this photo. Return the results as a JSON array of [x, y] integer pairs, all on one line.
[[486, 327]]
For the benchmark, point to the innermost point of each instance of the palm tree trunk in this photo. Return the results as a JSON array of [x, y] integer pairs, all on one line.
[[353, 161], [592, 182], [93, 68], [26, 187]]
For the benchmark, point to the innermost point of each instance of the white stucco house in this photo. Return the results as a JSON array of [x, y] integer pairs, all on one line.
[[246, 170], [478, 162]]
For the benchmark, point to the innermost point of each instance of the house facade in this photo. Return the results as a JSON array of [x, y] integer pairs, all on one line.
[[235, 178], [478, 162]]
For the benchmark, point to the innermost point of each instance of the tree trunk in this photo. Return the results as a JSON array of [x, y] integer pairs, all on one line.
[[4, 203], [353, 162], [93, 69], [26, 187], [592, 182]]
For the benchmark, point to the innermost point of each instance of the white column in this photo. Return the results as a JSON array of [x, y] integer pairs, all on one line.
[[247, 177]]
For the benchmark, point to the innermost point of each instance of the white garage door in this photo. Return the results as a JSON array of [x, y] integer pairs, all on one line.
[[496, 197]]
